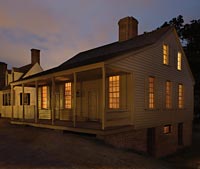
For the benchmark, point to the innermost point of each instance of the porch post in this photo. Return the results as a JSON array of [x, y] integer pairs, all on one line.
[[53, 100], [103, 97], [23, 115], [36, 102], [12, 101], [74, 102]]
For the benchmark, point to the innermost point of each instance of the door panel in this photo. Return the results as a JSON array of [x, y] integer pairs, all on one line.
[[151, 141], [92, 105]]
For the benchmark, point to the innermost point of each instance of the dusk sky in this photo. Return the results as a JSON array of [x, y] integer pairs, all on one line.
[[63, 28]]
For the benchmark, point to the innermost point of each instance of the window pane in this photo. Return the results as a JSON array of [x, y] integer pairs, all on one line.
[[151, 92], [180, 96], [165, 54], [168, 96], [179, 61], [167, 129], [68, 95], [44, 97], [114, 92]]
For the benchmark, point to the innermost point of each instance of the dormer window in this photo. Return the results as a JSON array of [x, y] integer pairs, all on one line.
[[179, 61], [165, 54]]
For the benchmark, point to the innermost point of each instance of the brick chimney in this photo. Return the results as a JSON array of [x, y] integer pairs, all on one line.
[[35, 56], [128, 28], [3, 69]]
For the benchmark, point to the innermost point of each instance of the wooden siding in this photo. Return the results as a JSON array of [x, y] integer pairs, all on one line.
[[122, 116], [149, 63]]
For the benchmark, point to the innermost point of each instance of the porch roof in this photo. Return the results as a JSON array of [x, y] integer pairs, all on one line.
[[107, 52]]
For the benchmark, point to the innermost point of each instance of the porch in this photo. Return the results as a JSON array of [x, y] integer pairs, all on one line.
[[73, 100]]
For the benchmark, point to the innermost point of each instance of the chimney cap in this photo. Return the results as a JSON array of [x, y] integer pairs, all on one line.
[[128, 18], [35, 49]]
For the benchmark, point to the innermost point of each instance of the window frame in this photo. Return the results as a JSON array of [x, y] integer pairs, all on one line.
[[6, 99], [27, 99], [151, 93], [44, 99], [68, 95], [179, 61], [114, 92], [165, 54], [168, 94], [167, 129], [180, 96]]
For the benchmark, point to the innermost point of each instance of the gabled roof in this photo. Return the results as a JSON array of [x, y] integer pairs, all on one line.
[[109, 51], [23, 69]]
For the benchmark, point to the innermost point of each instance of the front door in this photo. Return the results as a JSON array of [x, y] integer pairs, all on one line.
[[151, 141], [92, 105], [180, 134]]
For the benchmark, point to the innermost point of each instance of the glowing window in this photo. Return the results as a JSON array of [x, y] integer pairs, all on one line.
[[167, 129], [180, 96], [44, 97], [168, 94], [68, 95], [179, 61], [151, 92], [165, 54], [114, 92]]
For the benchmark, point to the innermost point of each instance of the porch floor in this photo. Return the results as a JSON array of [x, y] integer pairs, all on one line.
[[88, 127]]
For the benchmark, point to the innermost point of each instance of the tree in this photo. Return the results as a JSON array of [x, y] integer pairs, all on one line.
[[177, 23]]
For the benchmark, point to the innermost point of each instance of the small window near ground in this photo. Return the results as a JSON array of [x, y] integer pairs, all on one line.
[[114, 92], [167, 129]]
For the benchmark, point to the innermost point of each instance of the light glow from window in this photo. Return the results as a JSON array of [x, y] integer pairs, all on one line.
[[114, 92], [168, 97], [165, 54], [179, 61], [180, 96], [68, 95], [151, 92], [44, 97], [167, 129]]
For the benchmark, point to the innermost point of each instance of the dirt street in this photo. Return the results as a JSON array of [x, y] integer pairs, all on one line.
[[29, 147]]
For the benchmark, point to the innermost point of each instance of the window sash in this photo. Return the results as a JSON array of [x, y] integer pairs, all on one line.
[[179, 61], [68, 95], [6, 99], [165, 54], [180, 96], [114, 92], [151, 93], [26, 99], [44, 97], [168, 95], [167, 129]]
